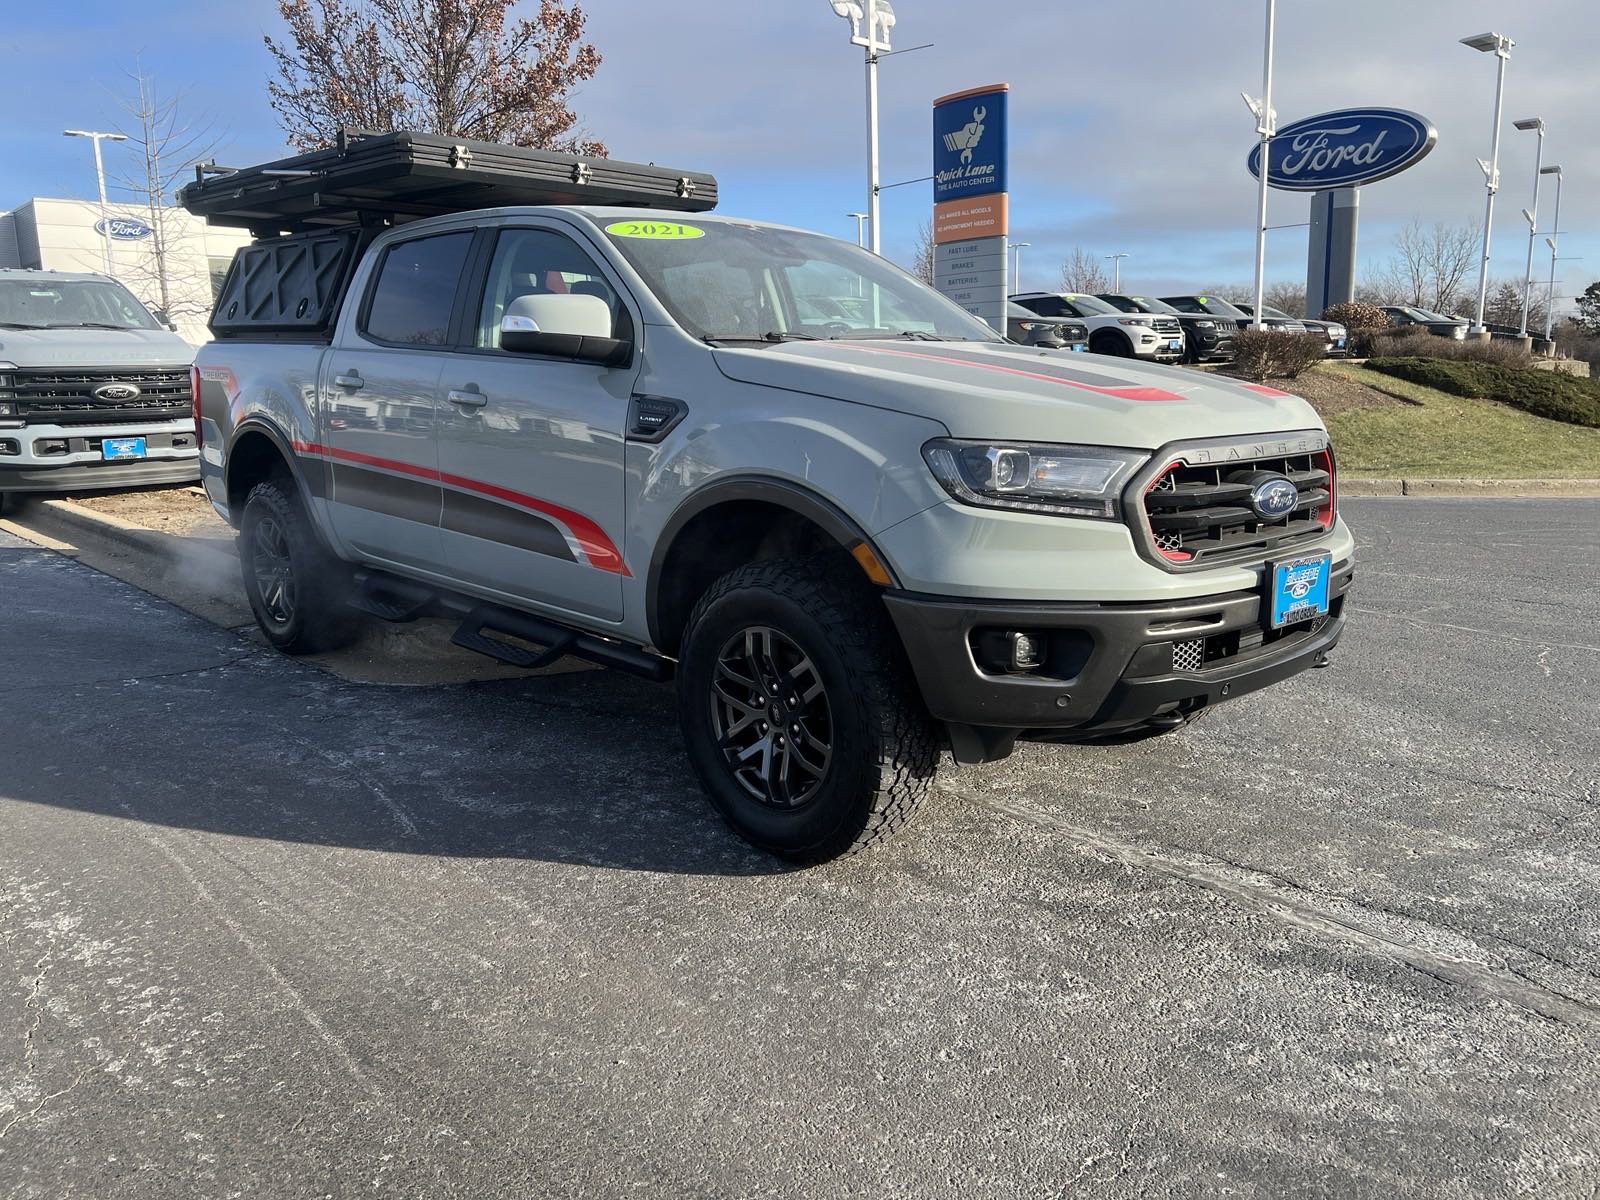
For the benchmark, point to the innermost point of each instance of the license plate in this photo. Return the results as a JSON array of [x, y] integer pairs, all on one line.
[[121, 449], [1339, 342], [1300, 589], [1174, 343], [1080, 349]]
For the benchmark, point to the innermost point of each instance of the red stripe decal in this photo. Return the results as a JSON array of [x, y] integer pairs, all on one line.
[[1266, 391], [1121, 393], [599, 549]]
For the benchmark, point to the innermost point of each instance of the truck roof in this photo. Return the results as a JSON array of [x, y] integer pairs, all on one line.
[[389, 178]]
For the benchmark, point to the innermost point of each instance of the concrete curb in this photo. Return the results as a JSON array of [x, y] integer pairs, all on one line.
[[168, 545], [1538, 488]]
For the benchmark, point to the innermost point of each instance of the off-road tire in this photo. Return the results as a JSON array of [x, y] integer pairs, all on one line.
[[315, 616], [884, 747]]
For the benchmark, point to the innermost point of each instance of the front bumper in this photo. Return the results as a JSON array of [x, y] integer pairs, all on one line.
[[1105, 667], [59, 458]]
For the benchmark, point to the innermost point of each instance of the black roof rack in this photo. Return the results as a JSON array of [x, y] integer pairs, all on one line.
[[389, 178]]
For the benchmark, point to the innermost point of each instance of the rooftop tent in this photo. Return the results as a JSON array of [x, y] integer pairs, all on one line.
[[388, 178]]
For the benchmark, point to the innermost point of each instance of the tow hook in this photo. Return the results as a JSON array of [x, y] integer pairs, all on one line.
[[1321, 660]]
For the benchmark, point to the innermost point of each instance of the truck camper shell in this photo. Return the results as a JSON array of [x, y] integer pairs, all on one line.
[[317, 212]]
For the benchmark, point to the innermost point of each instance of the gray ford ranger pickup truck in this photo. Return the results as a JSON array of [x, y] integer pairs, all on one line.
[[856, 526], [94, 392]]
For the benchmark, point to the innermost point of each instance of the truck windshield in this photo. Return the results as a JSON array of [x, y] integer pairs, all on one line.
[[725, 281], [1150, 305], [70, 304]]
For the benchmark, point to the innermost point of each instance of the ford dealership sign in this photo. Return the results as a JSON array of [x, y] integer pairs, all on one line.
[[123, 229], [1344, 149]]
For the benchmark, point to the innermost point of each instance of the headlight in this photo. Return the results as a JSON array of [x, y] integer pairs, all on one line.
[[1205, 324], [1064, 481], [1134, 321]]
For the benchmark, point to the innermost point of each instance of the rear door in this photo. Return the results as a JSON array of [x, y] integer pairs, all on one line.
[[380, 403], [531, 448]]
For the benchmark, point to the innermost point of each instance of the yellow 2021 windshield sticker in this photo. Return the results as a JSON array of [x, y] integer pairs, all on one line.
[[659, 230]]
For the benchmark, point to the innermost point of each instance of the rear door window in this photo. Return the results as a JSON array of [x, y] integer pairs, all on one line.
[[416, 291]]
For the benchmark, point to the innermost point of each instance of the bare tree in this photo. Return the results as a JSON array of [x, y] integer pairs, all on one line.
[[1503, 305], [165, 147], [1083, 273], [1430, 265], [922, 265], [459, 67], [1289, 297]]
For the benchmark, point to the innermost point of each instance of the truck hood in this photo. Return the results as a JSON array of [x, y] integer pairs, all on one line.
[[94, 348], [1006, 392]]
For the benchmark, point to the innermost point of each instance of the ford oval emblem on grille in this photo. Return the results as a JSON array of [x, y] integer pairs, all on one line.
[[116, 392], [1274, 499]]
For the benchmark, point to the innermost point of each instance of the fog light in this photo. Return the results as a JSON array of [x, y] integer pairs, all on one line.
[[9, 446], [1026, 652]]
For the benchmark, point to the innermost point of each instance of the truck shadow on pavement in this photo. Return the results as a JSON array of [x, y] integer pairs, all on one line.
[[131, 708]]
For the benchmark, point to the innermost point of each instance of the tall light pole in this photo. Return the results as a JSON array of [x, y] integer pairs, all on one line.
[[1116, 267], [97, 137], [1535, 123], [1266, 126], [1500, 46], [859, 217], [1555, 235], [878, 17], [1016, 265]]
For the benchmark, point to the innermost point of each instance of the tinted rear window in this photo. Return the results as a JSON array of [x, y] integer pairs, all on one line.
[[416, 290]]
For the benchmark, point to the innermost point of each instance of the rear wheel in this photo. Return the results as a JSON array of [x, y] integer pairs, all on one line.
[[294, 585], [798, 714]]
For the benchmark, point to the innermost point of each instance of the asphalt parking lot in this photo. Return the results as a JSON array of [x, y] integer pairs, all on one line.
[[271, 932]]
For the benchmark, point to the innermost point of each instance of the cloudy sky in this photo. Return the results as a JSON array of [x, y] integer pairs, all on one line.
[[1128, 133]]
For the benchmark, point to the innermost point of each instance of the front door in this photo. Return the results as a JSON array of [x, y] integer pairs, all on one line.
[[380, 394], [531, 448]]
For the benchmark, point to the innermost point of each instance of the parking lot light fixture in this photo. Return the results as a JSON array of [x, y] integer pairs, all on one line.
[[859, 219], [1266, 126], [96, 136], [1533, 124], [1116, 269], [1551, 241], [1500, 46], [1016, 264], [870, 22]]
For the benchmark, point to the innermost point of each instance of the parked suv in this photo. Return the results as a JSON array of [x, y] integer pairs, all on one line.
[[611, 432], [1274, 319], [1055, 333], [1206, 337], [1111, 331], [94, 392], [1402, 315]]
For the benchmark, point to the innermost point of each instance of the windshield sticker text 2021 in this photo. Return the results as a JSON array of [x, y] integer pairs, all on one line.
[[664, 230]]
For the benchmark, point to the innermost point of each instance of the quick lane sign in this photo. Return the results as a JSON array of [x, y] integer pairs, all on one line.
[[970, 205]]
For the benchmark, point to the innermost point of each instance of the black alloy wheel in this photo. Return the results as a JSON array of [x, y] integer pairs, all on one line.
[[274, 570], [771, 717], [295, 584]]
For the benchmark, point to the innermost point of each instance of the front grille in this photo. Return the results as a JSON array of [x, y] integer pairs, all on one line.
[[67, 397], [1202, 513], [1189, 655], [1170, 326]]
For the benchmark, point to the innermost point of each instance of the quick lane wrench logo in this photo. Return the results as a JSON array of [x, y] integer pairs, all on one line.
[[966, 138]]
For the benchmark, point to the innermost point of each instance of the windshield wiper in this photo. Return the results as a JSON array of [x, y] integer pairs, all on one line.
[[20, 325], [86, 325], [771, 335]]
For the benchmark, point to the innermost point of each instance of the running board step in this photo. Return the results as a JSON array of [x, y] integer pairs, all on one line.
[[559, 642], [390, 598]]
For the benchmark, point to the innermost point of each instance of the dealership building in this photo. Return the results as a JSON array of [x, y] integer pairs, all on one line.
[[74, 235]]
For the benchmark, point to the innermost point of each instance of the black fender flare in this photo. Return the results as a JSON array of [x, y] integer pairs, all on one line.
[[782, 493], [309, 477]]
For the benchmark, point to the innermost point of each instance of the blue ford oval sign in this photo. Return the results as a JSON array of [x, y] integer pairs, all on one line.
[[123, 229], [1344, 149]]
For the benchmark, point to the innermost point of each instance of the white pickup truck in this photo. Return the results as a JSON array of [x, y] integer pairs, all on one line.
[[94, 392], [620, 432]]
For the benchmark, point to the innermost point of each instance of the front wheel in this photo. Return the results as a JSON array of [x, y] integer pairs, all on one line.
[[1113, 344], [293, 583], [798, 713]]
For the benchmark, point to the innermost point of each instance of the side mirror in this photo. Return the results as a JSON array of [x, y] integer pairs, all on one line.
[[574, 327]]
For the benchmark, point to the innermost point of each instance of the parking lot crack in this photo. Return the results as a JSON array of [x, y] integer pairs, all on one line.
[[202, 669], [1466, 964]]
